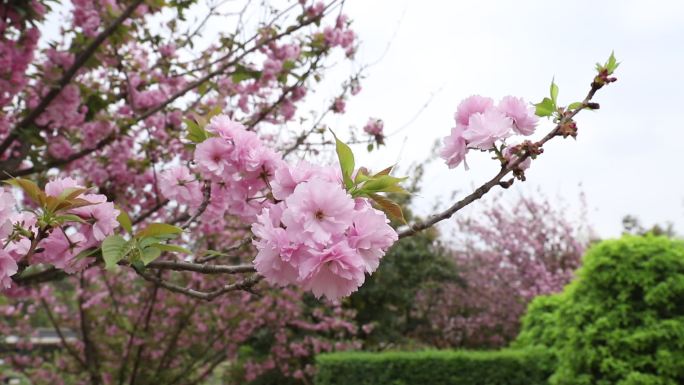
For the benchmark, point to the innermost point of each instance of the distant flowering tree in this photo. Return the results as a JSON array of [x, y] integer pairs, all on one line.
[[133, 147], [508, 254]]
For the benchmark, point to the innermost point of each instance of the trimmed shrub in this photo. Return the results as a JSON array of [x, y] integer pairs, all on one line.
[[621, 321], [540, 323], [506, 367]]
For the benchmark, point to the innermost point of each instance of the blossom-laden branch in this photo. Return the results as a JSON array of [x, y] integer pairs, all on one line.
[[528, 151], [326, 243], [231, 68], [68, 75]]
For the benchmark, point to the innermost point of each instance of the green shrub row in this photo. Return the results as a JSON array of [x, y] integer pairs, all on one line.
[[506, 367]]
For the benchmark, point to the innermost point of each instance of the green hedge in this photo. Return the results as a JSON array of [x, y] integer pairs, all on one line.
[[621, 321], [505, 367]]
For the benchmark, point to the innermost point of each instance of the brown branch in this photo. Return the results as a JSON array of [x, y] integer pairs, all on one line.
[[150, 212], [91, 357], [49, 274], [206, 190], [263, 114], [182, 323], [245, 284], [235, 247], [68, 75], [70, 349], [146, 328], [132, 335], [201, 268]]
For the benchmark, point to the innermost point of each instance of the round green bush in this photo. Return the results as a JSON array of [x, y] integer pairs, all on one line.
[[622, 320], [539, 325]]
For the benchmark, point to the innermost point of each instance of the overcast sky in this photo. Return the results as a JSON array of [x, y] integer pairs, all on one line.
[[627, 155]]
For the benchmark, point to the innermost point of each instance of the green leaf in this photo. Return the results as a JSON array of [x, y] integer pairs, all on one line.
[[125, 220], [171, 248], [149, 254], [147, 241], [346, 159], [381, 183], [396, 189], [389, 207], [554, 92], [545, 108], [288, 65], [154, 229], [575, 105], [113, 250], [70, 218], [196, 134], [612, 63], [243, 73]]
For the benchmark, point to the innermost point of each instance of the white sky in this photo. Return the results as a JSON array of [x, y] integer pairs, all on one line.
[[625, 155]]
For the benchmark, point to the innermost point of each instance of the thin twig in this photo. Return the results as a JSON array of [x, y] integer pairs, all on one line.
[[245, 284], [70, 349]]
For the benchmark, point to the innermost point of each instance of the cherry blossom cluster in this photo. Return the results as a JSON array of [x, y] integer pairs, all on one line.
[[374, 127], [17, 45], [317, 236], [310, 230], [340, 35], [48, 236], [239, 165], [480, 124]]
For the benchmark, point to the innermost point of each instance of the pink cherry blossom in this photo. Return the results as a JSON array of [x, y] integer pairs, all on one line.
[[455, 148], [275, 257], [339, 106], [522, 114], [485, 128], [374, 126], [211, 156], [8, 267], [59, 248], [335, 272], [319, 209], [472, 105], [101, 216], [288, 177], [371, 235], [57, 186], [7, 210], [180, 185]]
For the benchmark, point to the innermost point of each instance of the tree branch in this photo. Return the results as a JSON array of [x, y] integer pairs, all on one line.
[[201, 268], [245, 284], [70, 349]]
